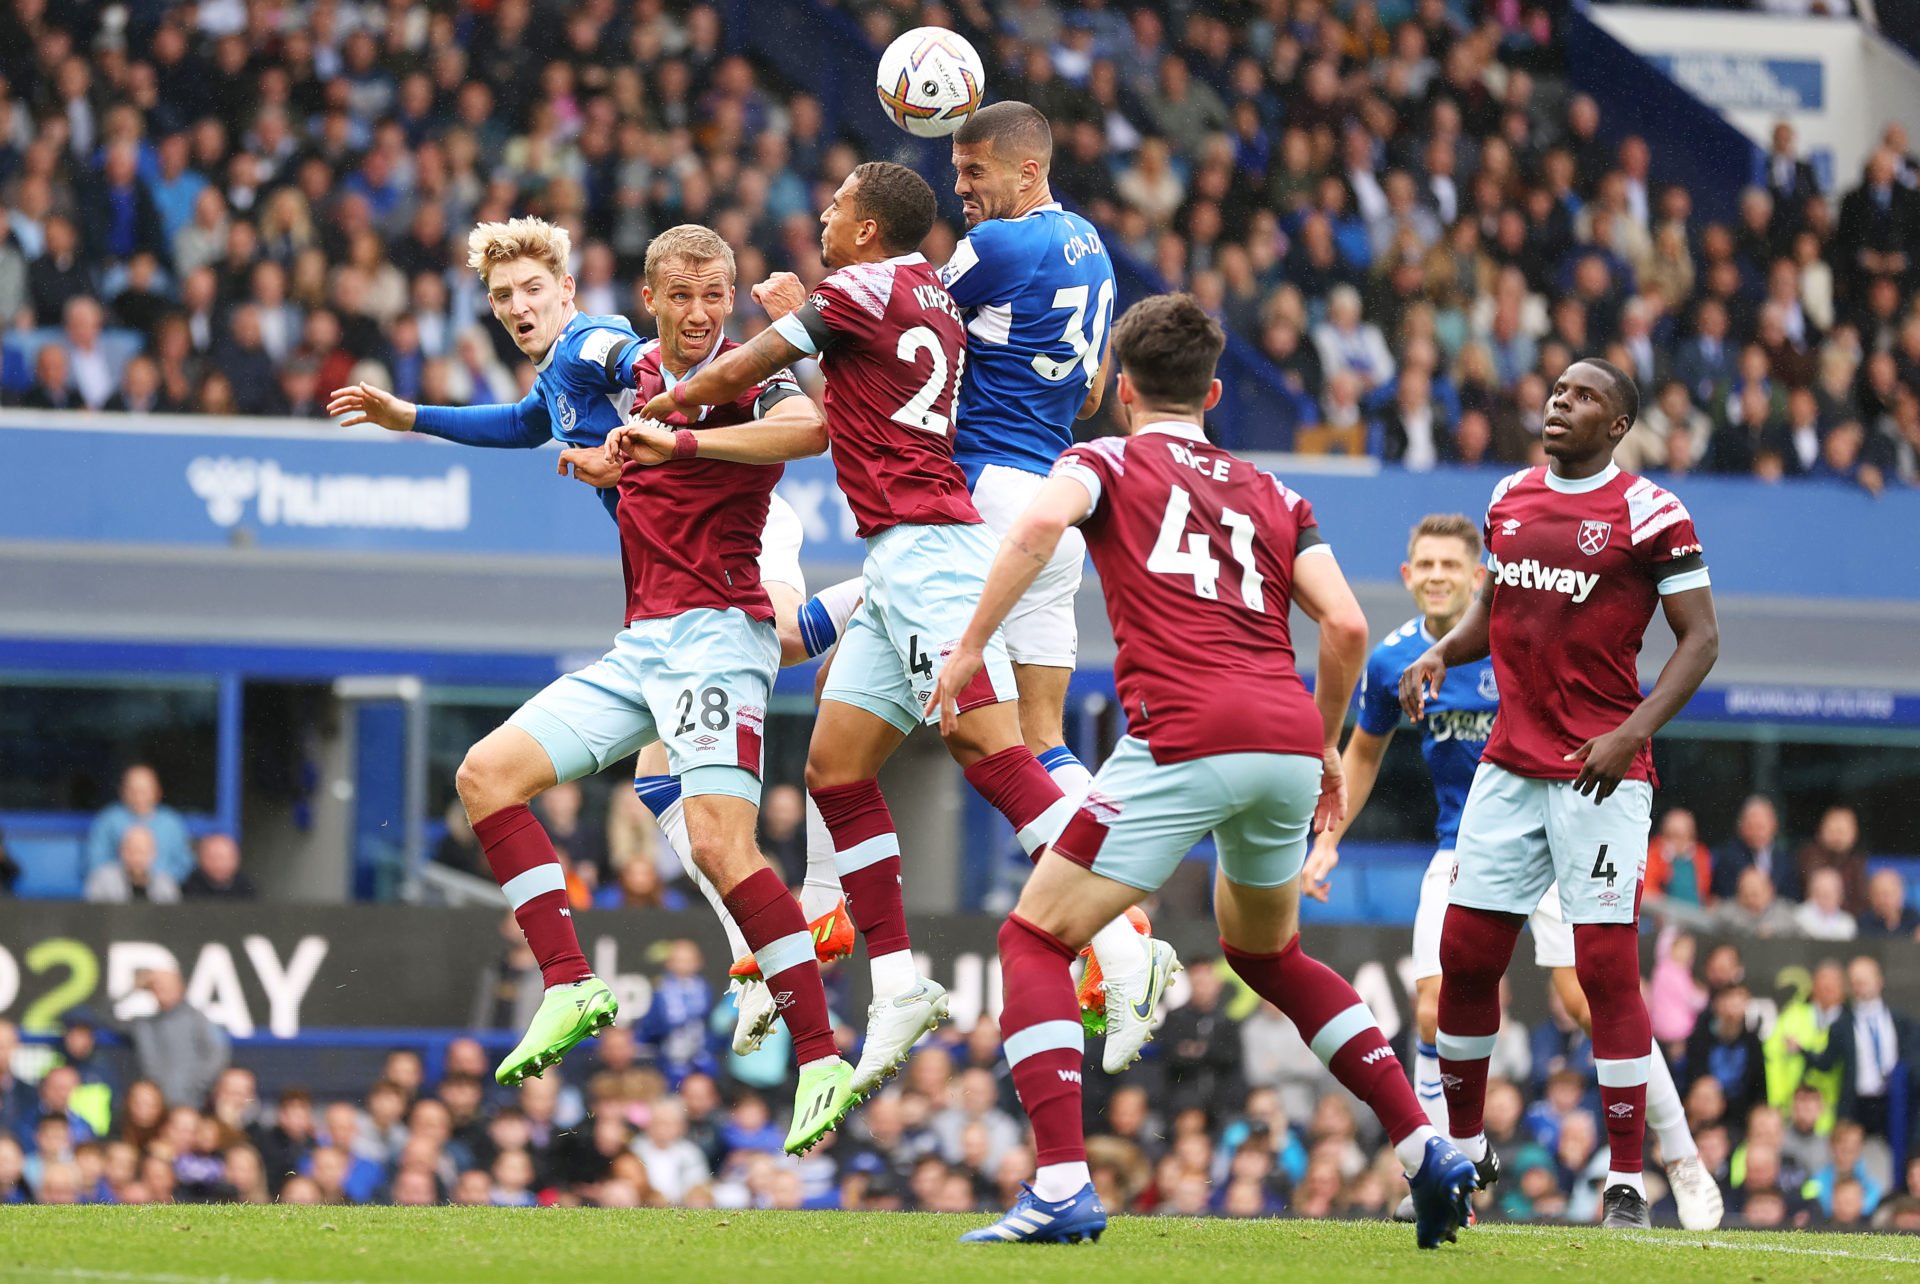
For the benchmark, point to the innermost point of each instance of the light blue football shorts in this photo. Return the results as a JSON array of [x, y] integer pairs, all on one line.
[[1517, 835], [697, 681], [1140, 818], [922, 585]]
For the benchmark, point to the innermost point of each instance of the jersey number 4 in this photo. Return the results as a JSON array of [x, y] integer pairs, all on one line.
[[1086, 351], [919, 412], [1196, 558]]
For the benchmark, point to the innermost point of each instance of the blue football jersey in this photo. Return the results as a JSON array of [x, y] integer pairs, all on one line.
[[1459, 718], [585, 383], [1037, 294]]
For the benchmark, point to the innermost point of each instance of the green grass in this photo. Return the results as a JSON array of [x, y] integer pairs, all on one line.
[[576, 1246]]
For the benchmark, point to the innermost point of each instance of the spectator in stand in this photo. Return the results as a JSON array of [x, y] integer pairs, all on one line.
[[1202, 1043], [1679, 866], [1348, 344], [1888, 913], [52, 381], [1756, 843], [176, 1045], [1674, 999], [637, 885], [1754, 909], [1725, 1048], [134, 876], [216, 872], [1848, 1167], [783, 831], [19, 1104], [1836, 845], [92, 372], [140, 804], [1866, 1046], [1821, 918]]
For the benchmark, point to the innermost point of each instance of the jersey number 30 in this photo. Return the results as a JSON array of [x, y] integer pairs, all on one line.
[[1086, 352], [1197, 560]]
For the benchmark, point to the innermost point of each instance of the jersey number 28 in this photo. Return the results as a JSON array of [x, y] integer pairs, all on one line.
[[1196, 558]]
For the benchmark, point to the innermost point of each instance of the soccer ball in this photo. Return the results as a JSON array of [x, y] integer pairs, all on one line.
[[930, 81]]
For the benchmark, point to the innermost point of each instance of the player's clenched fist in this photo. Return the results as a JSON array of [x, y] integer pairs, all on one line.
[[365, 404], [1419, 683], [780, 294], [643, 443]]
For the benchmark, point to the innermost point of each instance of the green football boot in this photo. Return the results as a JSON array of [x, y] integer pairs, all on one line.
[[823, 1099], [568, 1014]]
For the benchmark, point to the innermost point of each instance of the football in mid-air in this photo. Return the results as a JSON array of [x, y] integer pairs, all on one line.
[[930, 81]]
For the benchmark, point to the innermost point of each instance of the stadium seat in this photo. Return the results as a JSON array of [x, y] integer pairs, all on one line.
[[52, 866]]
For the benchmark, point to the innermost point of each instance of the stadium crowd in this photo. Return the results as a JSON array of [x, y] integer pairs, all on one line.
[[1755, 883], [233, 207], [1798, 1115]]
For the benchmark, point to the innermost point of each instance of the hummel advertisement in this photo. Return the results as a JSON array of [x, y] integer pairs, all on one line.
[[279, 485]]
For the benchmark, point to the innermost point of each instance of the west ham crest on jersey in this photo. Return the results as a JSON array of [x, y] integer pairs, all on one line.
[[1593, 536]]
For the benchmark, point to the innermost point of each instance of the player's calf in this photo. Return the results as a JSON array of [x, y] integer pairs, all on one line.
[[1607, 957], [1475, 947]]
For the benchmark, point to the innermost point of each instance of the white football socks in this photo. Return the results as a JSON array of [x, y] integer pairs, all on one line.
[[1412, 1148], [820, 891], [893, 974], [673, 823], [1055, 1182], [1666, 1116], [1120, 950]]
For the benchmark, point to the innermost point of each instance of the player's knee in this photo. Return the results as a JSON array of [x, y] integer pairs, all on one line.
[[481, 782], [1606, 960], [822, 772]]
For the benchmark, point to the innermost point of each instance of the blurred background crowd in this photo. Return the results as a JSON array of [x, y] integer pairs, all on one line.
[[232, 207]]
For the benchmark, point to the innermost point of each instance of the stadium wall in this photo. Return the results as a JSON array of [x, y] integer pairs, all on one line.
[[1835, 79]]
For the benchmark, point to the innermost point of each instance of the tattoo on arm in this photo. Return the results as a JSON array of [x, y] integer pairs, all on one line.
[[767, 353]]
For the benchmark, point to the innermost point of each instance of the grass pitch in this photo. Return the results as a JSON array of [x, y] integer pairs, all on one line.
[[226, 1245]]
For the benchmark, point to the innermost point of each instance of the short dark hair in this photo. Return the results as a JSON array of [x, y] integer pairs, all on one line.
[[1625, 392], [1011, 130], [898, 201], [1167, 346], [1447, 526]]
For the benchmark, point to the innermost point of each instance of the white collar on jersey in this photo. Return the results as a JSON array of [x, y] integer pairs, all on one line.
[[898, 259], [1582, 485], [1184, 429], [671, 379]]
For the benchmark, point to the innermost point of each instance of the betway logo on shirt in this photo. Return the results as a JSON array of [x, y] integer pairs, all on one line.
[[1529, 574], [350, 500]]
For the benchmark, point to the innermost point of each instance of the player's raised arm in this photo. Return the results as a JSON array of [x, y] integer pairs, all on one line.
[[1324, 594], [731, 373], [521, 424], [1062, 501], [1605, 760], [792, 428]]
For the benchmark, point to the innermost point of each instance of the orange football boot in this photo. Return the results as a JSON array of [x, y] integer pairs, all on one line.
[[1091, 992], [832, 939]]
